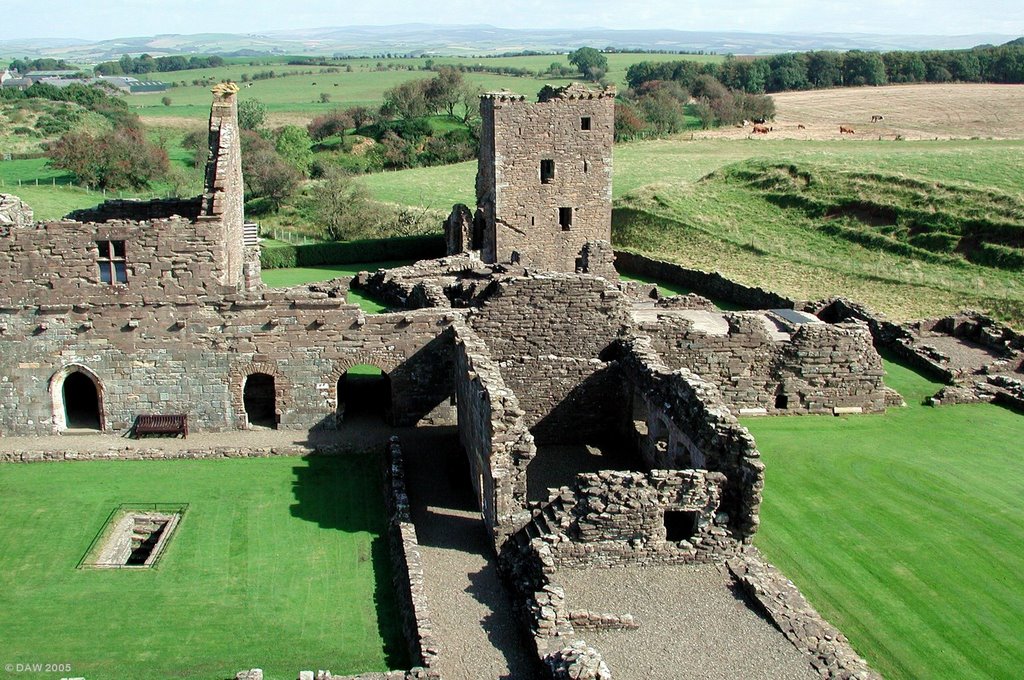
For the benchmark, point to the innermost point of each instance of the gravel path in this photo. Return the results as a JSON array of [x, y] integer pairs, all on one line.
[[472, 613], [690, 622], [360, 434]]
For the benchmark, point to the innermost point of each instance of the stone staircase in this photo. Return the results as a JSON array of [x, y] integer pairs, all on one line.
[[548, 518]]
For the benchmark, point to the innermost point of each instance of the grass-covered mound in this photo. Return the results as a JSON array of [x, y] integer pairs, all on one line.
[[278, 562], [903, 246], [904, 529], [931, 221]]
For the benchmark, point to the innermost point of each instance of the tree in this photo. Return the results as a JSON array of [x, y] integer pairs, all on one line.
[[330, 124], [119, 159], [252, 114], [361, 116], [588, 60], [863, 68], [406, 100], [325, 98], [445, 90], [629, 124], [269, 176], [166, 101], [197, 143], [293, 145], [342, 206]]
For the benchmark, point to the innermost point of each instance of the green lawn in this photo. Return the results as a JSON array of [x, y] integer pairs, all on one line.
[[278, 563], [297, 276], [906, 530]]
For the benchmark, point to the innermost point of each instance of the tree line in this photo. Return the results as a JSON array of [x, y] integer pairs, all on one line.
[[825, 69], [129, 65]]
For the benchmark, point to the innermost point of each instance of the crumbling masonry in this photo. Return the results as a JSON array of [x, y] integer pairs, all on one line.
[[523, 337]]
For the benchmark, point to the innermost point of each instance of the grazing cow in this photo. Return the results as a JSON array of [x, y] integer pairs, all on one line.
[[761, 129], [875, 119], [843, 130], [801, 126]]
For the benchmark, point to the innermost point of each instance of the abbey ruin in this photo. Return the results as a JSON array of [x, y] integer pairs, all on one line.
[[523, 337]]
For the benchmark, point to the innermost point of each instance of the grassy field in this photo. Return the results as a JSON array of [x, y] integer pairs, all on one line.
[[771, 243], [904, 529], [233, 589], [670, 161], [297, 97]]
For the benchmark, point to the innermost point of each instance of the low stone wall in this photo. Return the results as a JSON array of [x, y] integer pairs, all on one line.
[[708, 284], [407, 565], [124, 453], [830, 652], [614, 518], [528, 568]]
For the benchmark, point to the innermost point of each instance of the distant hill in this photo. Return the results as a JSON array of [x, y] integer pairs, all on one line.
[[1018, 41], [473, 40]]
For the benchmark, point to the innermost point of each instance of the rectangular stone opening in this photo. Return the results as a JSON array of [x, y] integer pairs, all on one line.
[[585, 123], [781, 401], [133, 537], [565, 218], [547, 171], [680, 525]]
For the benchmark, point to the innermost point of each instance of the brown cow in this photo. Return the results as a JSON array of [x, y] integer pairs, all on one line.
[[801, 126], [761, 129], [843, 130]]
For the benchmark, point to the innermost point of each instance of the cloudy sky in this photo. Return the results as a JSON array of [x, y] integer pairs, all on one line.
[[98, 19]]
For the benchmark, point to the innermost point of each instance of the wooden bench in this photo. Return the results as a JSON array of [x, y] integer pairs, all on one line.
[[172, 424]]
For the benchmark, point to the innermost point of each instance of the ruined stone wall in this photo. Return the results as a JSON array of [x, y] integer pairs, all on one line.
[[680, 421], [224, 199], [708, 284], [546, 332], [407, 564], [167, 260], [140, 210], [520, 208], [785, 368], [195, 359], [171, 250], [493, 434]]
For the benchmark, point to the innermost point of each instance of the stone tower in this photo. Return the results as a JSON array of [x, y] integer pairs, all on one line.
[[544, 180]]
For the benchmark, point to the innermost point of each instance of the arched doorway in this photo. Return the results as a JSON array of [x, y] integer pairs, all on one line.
[[260, 400], [364, 394], [81, 400]]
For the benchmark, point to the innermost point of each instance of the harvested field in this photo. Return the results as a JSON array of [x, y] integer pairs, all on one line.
[[927, 111]]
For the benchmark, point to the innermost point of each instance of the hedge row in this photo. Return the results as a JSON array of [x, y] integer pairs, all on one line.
[[347, 252]]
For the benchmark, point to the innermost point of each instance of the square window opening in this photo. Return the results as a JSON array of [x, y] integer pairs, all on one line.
[[585, 123], [547, 171], [781, 401], [565, 218], [680, 525]]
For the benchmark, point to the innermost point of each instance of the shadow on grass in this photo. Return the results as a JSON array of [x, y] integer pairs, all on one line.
[[344, 493]]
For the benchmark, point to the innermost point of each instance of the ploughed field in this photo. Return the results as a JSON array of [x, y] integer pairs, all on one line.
[[279, 563], [904, 529]]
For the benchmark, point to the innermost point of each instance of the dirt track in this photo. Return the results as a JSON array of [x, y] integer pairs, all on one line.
[[912, 111]]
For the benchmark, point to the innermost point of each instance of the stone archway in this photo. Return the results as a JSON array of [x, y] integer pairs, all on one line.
[[362, 387], [270, 391], [259, 399], [76, 397]]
